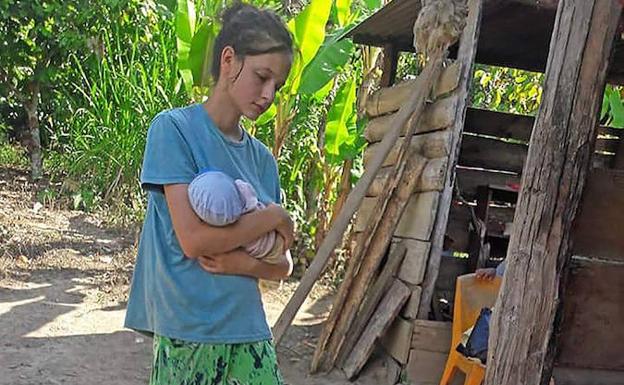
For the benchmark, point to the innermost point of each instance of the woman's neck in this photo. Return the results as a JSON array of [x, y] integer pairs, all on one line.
[[224, 115]]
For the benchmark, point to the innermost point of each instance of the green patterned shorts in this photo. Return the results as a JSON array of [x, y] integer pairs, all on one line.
[[178, 362]]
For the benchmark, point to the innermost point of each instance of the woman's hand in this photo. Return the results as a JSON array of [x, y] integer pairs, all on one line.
[[239, 262], [486, 274], [285, 227], [236, 262]]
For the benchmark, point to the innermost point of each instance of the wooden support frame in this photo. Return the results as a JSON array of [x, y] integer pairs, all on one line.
[[465, 56], [522, 329], [390, 64]]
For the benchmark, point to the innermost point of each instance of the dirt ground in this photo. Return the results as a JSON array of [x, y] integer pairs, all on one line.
[[64, 277]]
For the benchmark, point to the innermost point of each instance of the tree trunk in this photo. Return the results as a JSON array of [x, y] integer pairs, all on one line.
[[34, 141], [554, 176]]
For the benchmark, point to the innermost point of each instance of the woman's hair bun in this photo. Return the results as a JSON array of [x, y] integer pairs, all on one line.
[[232, 11]]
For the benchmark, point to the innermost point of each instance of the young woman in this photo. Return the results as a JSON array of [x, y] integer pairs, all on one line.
[[194, 288]]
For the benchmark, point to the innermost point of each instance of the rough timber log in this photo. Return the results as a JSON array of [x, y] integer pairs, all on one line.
[[521, 337]]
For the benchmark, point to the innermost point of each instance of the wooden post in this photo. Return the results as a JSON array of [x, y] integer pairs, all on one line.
[[465, 56], [476, 240], [554, 176], [390, 63]]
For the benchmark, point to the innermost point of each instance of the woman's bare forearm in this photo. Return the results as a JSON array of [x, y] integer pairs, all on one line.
[[239, 262], [273, 271], [210, 240]]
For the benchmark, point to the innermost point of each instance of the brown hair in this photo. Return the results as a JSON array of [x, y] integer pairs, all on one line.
[[250, 31]]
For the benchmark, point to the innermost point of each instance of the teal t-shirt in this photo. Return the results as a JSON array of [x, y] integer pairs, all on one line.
[[171, 295]]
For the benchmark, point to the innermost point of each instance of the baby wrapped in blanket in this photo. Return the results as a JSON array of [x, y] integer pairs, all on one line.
[[220, 200]]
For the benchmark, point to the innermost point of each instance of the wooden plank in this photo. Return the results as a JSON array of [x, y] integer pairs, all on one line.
[[415, 262], [552, 185], [468, 179], [416, 221], [382, 318], [618, 159], [432, 336], [594, 233], [512, 126], [437, 116], [381, 369], [430, 145], [499, 124], [425, 367], [578, 376], [397, 339], [410, 311], [448, 81], [370, 250], [492, 154], [477, 151], [381, 286], [465, 56], [389, 99], [431, 179], [609, 145], [591, 333]]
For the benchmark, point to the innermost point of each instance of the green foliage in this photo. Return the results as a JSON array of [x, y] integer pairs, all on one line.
[[343, 135], [329, 61], [38, 36], [308, 29], [506, 89], [197, 26], [129, 59], [185, 29], [408, 66], [12, 155], [100, 148], [612, 112]]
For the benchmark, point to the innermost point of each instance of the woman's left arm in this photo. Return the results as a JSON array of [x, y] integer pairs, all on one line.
[[239, 262]]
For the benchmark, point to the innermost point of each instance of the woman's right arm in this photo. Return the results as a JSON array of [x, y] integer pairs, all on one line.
[[197, 238]]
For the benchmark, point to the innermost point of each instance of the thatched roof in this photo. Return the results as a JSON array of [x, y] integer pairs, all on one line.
[[514, 33]]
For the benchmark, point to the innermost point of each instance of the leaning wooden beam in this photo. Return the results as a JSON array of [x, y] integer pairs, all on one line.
[[381, 285], [370, 251], [387, 311], [554, 177], [465, 56]]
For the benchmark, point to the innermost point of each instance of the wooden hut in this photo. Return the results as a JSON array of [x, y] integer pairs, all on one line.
[[468, 190], [545, 191]]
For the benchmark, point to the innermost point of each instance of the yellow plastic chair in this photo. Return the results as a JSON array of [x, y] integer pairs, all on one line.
[[471, 295]]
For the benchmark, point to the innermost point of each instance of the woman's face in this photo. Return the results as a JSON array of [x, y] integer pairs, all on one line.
[[254, 80]]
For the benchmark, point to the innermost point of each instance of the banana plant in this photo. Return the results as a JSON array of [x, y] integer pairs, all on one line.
[[343, 136], [197, 26], [612, 112], [185, 29]]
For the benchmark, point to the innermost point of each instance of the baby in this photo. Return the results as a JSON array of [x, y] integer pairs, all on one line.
[[220, 200]]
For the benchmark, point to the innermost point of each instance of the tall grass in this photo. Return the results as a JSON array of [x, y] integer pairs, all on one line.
[[99, 154]]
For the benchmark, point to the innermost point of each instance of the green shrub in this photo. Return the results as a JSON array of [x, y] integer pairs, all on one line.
[[98, 151]]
